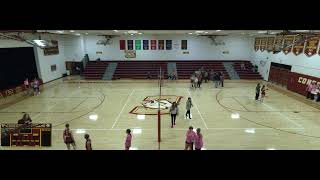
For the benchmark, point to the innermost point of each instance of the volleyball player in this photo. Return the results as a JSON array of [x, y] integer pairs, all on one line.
[[198, 140], [190, 137], [88, 142], [68, 138], [127, 143]]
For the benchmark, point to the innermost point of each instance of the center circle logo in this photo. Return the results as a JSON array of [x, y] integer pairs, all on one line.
[[154, 104], [150, 104]]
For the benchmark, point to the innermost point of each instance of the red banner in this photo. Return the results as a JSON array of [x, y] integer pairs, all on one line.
[[287, 44], [122, 44], [298, 45], [270, 44], [153, 44], [257, 44], [311, 46], [263, 44], [278, 44]]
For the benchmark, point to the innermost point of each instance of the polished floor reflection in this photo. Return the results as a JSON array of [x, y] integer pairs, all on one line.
[[229, 117]]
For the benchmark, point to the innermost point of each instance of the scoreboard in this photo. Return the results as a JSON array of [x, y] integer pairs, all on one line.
[[26, 135]]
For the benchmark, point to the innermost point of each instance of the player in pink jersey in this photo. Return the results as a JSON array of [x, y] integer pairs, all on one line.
[[198, 140], [128, 140], [190, 137]]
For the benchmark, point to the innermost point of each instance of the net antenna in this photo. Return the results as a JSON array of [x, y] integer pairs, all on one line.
[[159, 110]]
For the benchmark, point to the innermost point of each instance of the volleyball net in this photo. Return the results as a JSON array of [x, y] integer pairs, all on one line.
[[160, 85]]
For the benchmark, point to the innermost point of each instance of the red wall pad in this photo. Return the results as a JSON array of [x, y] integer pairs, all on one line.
[[298, 82]]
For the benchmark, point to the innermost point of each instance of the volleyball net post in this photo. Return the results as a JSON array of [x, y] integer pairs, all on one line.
[[159, 110]]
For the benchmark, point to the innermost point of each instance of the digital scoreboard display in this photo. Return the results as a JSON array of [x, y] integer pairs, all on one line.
[[26, 135]]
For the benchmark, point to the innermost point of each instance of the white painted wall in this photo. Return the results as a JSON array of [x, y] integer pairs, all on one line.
[[300, 64], [200, 48], [73, 48], [45, 63]]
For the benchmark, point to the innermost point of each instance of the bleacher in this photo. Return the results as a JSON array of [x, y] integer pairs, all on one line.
[[186, 68], [139, 69], [248, 72], [94, 70]]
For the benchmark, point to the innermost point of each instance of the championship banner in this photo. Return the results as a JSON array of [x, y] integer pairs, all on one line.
[[130, 44], [287, 44], [122, 44], [278, 44], [54, 50], [153, 44], [263, 44], [145, 44], [298, 45], [130, 53], [311, 46], [161, 44], [270, 44], [138, 44], [257, 42], [168, 44]]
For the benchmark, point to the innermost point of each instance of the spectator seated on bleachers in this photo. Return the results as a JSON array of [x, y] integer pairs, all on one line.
[[149, 75], [243, 67]]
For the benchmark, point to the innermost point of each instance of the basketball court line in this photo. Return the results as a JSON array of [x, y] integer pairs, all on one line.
[[293, 122], [195, 105], [79, 104], [36, 116], [122, 109], [240, 104]]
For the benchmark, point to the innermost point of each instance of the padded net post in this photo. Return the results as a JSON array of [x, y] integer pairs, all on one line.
[[159, 111]]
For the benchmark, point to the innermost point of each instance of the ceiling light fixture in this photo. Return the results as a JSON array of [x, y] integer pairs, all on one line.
[[40, 43], [199, 31], [132, 32], [72, 31], [78, 34], [115, 30], [190, 33], [60, 31], [139, 33], [218, 30], [261, 32]]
